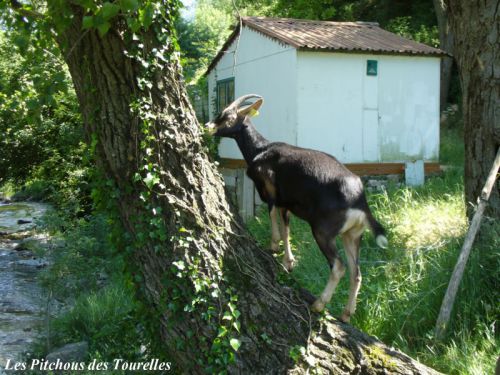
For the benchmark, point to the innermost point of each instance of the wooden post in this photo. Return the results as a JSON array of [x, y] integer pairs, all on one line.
[[456, 277]]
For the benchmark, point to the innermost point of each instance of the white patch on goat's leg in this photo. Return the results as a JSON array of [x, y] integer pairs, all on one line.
[[288, 258], [336, 274], [275, 231], [352, 253]]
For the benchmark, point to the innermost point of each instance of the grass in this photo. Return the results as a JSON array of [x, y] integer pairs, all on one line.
[[104, 318], [403, 285]]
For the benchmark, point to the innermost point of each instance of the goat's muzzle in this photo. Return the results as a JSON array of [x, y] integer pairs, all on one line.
[[210, 128]]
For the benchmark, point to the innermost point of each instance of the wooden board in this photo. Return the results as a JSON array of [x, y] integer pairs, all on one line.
[[361, 169]]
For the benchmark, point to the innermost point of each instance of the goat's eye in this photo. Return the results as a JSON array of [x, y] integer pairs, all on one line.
[[221, 117]]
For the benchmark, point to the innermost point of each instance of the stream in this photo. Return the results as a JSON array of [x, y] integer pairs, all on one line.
[[21, 298]]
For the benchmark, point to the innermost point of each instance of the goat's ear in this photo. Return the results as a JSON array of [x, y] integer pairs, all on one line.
[[252, 109]]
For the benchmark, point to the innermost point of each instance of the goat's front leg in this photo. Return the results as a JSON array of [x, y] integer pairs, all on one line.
[[336, 273], [351, 245], [275, 231], [288, 259]]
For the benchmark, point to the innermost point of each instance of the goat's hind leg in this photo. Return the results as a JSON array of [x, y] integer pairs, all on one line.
[[351, 240], [275, 231], [326, 242], [288, 258]]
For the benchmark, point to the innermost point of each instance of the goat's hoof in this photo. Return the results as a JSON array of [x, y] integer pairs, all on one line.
[[289, 264], [318, 305], [307, 296], [345, 317]]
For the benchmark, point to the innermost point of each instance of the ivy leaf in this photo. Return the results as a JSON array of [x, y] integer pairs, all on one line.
[[88, 4], [88, 22], [150, 180], [103, 28], [235, 344], [237, 326], [109, 10], [134, 24], [129, 5], [222, 331], [146, 15], [180, 265]]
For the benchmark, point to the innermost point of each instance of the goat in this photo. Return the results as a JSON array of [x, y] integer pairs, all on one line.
[[312, 185]]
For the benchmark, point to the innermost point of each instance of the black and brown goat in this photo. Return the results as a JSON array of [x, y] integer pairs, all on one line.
[[314, 186]]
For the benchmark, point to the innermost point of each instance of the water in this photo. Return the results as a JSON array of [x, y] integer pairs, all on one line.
[[21, 300]]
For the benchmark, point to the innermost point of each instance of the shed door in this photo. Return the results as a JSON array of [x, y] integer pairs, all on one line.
[[370, 111]]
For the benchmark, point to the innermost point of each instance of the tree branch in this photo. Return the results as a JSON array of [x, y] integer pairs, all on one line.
[[18, 8]]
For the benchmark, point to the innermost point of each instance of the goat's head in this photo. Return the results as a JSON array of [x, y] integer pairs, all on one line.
[[232, 119]]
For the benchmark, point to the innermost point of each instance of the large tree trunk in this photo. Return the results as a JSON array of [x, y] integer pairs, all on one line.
[[446, 44], [475, 25], [196, 264]]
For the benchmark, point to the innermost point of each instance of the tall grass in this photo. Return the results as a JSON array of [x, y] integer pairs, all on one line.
[[403, 286]]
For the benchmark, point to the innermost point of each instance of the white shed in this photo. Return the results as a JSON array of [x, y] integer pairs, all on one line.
[[365, 95]]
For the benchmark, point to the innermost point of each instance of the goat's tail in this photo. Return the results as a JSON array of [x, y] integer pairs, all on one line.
[[378, 230]]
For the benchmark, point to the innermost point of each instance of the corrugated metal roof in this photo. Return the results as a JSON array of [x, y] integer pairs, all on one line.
[[357, 37]]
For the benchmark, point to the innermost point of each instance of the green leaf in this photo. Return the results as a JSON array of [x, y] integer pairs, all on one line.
[[88, 4], [103, 28], [88, 22], [134, 24], [129, 5], [179, 264], [146, 15], [150, 180], [109, 10], [222, 331], [235, 344], [237, 326], [21, 40]]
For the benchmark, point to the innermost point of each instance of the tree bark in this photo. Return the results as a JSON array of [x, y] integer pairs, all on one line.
[[206, 266], [446, 44], [475, 25]]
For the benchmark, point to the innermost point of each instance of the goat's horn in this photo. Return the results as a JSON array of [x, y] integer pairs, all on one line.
[[241, 99]]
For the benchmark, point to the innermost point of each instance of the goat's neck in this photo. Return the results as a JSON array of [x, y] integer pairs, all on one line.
[[250, 142]]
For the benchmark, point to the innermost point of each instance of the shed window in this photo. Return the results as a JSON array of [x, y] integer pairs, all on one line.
[[371, 67], [225, 93]]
